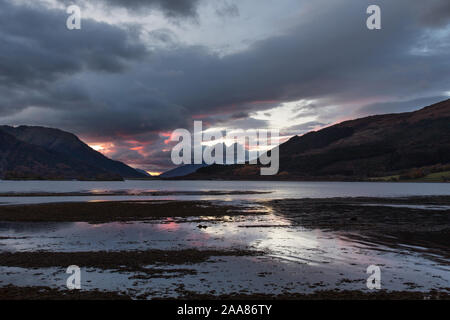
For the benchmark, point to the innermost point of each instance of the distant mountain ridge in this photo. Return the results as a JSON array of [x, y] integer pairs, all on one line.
[[32, 152], [187, 169], [182, 171], [373, 146], [145, 173]]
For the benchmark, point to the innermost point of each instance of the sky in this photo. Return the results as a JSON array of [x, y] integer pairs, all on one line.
[[139, 69]]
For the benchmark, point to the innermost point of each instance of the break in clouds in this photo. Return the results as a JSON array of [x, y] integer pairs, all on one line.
[[139, 69]]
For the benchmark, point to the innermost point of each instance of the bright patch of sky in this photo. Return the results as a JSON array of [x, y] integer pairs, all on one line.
[[287, 114]]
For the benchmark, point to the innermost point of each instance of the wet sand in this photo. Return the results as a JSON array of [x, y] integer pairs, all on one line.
[[328, 295], [424, 231], [107, 211], [120, 260], [374, 219], [47, 293]]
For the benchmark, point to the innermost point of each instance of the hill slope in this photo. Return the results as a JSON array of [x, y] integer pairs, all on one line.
[[182, 170], [46, 153], [374, 146]]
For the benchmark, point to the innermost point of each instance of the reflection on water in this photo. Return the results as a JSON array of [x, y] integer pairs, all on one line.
[[296, 259], [411, 206]]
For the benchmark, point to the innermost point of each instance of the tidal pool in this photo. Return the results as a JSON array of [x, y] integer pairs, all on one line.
[[294, 259]]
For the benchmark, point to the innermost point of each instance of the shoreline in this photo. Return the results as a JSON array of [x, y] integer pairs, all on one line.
[[12, 292]]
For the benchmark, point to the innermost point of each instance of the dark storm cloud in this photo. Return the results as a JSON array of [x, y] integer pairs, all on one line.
[[172, 8], [400, 106], [345, 62], [247, 123], [337, 57], [36, 45], [102, 82], [156, 160], [39, 55], [240, 115], [435, 12]]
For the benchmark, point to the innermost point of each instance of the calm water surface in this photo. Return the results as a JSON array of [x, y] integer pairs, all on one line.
[[297, 260], [277, 190]]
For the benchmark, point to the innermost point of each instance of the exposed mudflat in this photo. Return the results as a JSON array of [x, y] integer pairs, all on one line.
[[47, 293], [380, 220], [276, 249], [112, 193], [121, 260], [108, 211]]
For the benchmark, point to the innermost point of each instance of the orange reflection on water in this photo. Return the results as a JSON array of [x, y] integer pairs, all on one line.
[[168, 224]]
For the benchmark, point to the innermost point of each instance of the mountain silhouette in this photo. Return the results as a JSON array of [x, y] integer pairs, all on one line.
[[31, 152]]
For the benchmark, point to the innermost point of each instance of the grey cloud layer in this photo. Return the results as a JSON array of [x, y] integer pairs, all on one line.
[[40, 59], [172, 8], [105, 83]]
